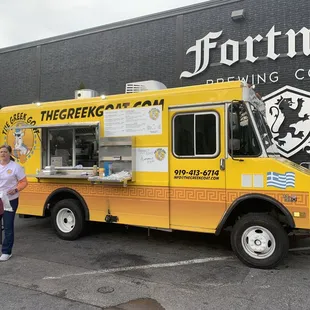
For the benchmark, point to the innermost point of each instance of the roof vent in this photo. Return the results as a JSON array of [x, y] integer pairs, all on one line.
[[136, 87], [85, 93]]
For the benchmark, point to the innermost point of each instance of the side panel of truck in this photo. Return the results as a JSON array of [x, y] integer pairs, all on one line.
[[197, 182]]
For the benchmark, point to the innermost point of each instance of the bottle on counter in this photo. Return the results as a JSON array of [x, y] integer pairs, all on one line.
[[108, 168], [101, 172], [95, 170]]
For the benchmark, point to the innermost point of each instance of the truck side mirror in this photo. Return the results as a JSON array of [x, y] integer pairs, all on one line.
[[235, 123], [234, 129]]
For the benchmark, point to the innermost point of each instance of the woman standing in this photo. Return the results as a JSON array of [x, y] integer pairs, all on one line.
[[12, 181]]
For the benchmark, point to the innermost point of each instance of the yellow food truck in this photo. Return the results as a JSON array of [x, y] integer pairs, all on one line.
[[198, 158]]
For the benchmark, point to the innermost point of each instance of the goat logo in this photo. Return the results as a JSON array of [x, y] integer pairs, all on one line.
[[160, 154], [22, 140], [288, 116], [19, 145]]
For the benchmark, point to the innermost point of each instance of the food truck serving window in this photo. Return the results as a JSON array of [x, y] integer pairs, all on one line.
[[71, 146]]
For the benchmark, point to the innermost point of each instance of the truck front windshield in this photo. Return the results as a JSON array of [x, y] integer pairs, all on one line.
[[264, 131]]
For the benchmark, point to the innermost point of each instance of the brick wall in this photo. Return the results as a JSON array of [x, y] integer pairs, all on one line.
[[156, 49]]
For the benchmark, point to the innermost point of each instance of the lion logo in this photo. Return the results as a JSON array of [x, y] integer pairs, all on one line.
[[160, 154], [288, 116]]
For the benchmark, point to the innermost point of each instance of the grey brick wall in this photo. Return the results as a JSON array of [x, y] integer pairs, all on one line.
[[155, 49], [260, 16], [18, 78], [106, 61]]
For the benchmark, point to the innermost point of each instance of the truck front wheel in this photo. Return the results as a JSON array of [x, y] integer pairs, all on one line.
[[259, 241], [68, 219]]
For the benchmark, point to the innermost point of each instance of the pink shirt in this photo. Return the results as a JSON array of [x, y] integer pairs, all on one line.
[[10, 175]]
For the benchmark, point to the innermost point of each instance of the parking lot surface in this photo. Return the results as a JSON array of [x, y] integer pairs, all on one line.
[[119, 267]]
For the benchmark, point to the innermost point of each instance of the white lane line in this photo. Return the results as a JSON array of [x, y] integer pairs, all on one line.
[[300, 249], [163, 265]]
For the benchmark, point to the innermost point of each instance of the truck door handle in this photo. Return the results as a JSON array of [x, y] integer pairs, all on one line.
[[222, 163]]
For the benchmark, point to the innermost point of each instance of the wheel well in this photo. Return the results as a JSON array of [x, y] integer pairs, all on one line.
[[61, 194], [256, 205]]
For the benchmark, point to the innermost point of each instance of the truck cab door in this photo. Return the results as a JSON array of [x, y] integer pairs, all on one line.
[[246, 159], [196, 167]]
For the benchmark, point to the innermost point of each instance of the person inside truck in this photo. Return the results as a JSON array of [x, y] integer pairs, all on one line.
[[62, 151]]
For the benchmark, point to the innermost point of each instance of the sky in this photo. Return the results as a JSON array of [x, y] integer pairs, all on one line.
[[23, 21]]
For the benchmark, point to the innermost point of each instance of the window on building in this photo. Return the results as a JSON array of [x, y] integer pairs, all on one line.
[[69, 147], [242, 139], [196, 135]]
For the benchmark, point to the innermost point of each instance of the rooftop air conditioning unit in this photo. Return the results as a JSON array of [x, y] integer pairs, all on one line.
[[85, 93], [136, 87]]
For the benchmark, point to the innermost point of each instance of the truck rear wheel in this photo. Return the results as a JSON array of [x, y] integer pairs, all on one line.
[[68, 219], [259, 241]]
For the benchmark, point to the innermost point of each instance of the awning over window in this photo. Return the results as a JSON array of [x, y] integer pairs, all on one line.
[[71, 125]]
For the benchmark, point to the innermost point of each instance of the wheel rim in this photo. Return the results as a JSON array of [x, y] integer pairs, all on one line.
[[65, 220], [258, 242]]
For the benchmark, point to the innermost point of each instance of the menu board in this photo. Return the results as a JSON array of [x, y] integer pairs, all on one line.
[[133, 122], [152, 159]]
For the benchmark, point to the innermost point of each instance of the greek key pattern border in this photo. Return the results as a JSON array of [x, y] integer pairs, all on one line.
[[302, 197], [163, 193]]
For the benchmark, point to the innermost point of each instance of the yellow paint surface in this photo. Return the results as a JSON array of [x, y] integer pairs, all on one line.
[[154, 199]]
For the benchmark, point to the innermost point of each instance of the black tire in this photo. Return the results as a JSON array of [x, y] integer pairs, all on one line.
[[63, 227], [246, 251]]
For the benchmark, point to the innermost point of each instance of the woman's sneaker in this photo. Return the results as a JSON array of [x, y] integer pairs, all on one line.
[[5, 257]]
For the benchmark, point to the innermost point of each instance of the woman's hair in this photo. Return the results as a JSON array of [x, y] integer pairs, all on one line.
[[8, 147], [5, 146]]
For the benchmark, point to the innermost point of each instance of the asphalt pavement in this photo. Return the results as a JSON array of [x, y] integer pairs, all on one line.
[[119, 267]]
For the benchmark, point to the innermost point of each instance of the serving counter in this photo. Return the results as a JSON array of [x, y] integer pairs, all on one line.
[[82, 175]]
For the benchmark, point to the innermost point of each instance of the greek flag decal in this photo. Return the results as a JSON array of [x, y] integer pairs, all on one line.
[[281, 180]]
